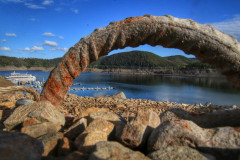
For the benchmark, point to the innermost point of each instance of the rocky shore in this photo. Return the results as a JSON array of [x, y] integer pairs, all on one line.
[[115, 127]]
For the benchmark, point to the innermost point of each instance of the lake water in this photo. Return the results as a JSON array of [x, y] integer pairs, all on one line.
[[190, 90]]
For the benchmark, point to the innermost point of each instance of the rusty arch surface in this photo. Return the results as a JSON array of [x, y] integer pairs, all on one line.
[[203, 41]]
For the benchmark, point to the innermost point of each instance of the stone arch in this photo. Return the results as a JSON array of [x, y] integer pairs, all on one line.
[[203, 41]]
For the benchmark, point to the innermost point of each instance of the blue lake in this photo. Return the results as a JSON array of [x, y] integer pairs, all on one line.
[[190, 90]]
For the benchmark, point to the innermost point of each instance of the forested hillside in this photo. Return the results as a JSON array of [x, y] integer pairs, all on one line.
[[125, 60], [143, 59], [27, 62]]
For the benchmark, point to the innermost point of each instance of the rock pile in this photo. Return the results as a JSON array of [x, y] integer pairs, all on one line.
[[109, 128]]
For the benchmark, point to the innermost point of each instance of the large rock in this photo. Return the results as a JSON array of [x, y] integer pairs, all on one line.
[[98, 130], [50, 142], [92, 110], [113, 150], [118, 121], [36, 115], [16, 146], [108, 116], [23, 101], [65, 147], [77, 128], [119, 96], [178, 152], [37, 130], [218, 141], [219, 118], [136, 132]]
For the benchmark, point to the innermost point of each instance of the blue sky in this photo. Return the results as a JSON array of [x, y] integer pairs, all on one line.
[[48, 28]]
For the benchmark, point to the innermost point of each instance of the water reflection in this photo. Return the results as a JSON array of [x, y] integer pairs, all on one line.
[[216, 83]]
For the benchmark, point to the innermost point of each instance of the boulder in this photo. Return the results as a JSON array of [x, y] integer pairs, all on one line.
[[114, 150], [187, 133], [7, 105], [37, 130], [219, 118], [92, 110], [23, 101], [50, 142], [108, 116], [119, 95], [15, 146], [65, 147], [178, 152], [98, 130], [38, 114], [77, 128], [136, 132], [118, 121]]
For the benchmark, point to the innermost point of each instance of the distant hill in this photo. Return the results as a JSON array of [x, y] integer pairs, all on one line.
[[124, 60], [28, 62], [143, 59]]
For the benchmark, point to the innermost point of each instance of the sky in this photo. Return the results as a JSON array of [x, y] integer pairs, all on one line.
[[48, 28]]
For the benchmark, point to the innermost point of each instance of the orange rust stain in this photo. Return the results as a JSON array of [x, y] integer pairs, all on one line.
[[186, 126], [171, 143], [53, 85], [62, 65], [29, 122]]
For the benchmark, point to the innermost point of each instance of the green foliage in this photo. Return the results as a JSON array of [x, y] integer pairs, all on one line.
[[126, 60], [147, 60], [27, 62]]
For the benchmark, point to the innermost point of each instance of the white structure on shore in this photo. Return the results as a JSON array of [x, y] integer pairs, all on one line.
[[19, 77]]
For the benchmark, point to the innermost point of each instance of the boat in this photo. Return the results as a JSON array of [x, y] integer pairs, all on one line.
[[19, 77]]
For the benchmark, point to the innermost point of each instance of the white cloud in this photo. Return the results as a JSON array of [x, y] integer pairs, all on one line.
[[231, 26], [60, 37], [36, 48], [75, 10], [5, 49], [58, 9], [47, 2], [50, 43], [4, 40], [59, 49], [10, 34], [32, 19], [48, 34], [33, 6], [63, 49], [26, 49], [15, 1], [52, 49]]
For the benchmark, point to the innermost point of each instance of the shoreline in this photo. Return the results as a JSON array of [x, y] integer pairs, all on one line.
[[163, 72]]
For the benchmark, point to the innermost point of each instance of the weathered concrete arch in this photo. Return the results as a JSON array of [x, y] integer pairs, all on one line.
[[203, 41]]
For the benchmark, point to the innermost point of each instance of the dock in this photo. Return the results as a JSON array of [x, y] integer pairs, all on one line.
[[81, 89]]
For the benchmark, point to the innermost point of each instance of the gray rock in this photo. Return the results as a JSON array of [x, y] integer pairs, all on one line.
[[77, 128], [108, 116], [50, 142], [33, 115], [23, 101], [219, 118], [178, 153], [40, 129], [118, 121], [114, 150], [136, 132], [187, 133], [16, 146], [97, 130]]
